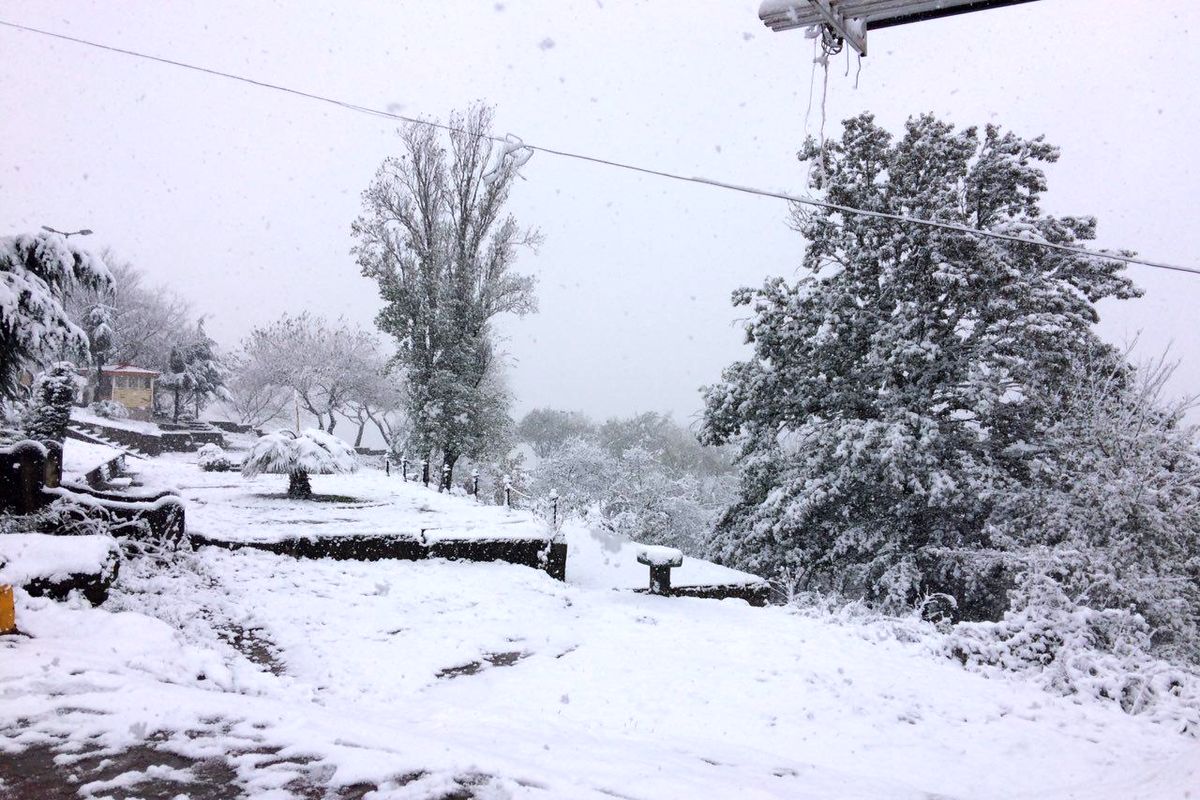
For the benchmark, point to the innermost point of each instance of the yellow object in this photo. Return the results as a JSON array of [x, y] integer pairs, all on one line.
[[8, 612]]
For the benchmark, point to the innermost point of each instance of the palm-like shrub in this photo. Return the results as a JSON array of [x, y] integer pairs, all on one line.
[[297, 455]]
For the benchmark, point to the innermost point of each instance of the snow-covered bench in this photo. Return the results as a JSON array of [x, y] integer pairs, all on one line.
[[54, 566], [660, 560]]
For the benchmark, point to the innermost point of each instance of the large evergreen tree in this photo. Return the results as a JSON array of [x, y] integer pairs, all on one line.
[[36, 272], [901, 389], [435, 237]]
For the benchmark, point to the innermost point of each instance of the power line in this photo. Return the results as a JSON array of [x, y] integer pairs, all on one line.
[[808, 201]]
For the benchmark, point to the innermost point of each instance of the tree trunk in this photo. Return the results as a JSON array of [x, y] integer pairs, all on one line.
[[448, 474], [358, 439], [98, 396], [298, 486], [176, 417]]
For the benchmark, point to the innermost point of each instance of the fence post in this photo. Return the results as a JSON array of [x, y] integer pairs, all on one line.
[[475, 484], [507, 493], [425, 472], [404, 468], [445, 482]]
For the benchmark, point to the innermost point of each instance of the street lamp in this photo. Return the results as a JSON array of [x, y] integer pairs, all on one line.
[[82, 232]]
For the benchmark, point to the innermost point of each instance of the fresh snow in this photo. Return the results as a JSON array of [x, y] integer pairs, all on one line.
[[29, 556], [420, 677], [88, 418], [598, 559], [225, 505], [659, 556], [80, 458]]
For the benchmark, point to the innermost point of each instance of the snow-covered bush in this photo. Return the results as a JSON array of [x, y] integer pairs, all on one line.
[[109, 409], [212, 458], [311, 452], [62, 517], [1075, 650], [50, 407]]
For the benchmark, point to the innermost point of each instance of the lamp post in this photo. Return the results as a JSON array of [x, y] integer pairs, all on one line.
[[64, 234]]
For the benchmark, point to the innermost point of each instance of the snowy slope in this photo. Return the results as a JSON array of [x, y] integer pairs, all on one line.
[[417, 677]]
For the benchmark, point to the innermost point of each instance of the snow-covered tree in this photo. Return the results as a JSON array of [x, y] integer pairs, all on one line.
[[1111, 509], [434, 236], [581, 473], [325, 364], [253, 399], [377, 397], [101, 338], [897, 394], [146, 321], [672, 445], [548, 429], [176, 381], [36, 272], [642, 478], [312, 452], [50, 407], [206, 367]]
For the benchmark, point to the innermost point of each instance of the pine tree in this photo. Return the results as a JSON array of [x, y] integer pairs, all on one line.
[[53, 393], [898, 391], [101, 339], [177, 380], [36, 272]]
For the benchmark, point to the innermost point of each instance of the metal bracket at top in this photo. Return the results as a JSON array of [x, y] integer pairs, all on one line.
[[853, 30]]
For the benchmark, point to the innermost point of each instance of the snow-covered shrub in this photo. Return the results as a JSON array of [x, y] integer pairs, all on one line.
[[50, 408], [286, 453], [212, 458], [1075, 650], [62, 517], [109, 409]]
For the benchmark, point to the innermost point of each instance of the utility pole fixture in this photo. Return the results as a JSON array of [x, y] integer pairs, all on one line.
[[851, 19]]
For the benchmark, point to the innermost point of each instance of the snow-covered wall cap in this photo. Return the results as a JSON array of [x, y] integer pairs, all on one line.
[[24, 444], [658, 556]]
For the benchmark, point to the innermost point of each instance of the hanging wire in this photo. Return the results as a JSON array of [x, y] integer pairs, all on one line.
[[1124, 257]]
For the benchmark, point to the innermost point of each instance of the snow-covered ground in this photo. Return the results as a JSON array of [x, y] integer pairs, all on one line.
[[227, 506], [423, 678]]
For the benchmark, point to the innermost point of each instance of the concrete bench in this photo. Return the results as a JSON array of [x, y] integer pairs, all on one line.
[[660, 560]]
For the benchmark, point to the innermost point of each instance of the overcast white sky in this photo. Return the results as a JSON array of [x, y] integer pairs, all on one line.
[[241, 198]]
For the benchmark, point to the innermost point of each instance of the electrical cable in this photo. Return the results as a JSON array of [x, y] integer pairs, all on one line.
[[808, 201]]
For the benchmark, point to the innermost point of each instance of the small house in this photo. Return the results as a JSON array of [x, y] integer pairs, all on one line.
[[132, 387]]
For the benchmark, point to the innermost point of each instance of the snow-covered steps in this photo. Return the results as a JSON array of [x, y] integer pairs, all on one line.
[[95, 435], [54, 566]]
